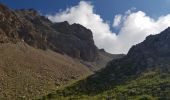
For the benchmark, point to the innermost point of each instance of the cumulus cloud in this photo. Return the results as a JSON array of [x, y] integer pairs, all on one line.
[[135, 26], [117, 20]]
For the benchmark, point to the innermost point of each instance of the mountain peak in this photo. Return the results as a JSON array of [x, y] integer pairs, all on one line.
[[64, 22], [167, 29]]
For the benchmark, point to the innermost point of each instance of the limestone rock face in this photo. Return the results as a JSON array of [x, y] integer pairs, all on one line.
[[80, 40], [29, 26]]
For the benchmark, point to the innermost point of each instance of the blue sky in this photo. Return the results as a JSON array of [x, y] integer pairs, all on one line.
[[115, 24], [106, 8]]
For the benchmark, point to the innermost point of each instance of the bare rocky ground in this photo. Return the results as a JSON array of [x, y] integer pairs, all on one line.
[[27, 72]]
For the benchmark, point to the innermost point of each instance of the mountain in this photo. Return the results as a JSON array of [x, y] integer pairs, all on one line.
[[38, 56], [143, 74], [154, 51], [39, 32]]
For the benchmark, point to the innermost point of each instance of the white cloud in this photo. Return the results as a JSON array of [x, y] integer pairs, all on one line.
[[135, 26], [117, 20]]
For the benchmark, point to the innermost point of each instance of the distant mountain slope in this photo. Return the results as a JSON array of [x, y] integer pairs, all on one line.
[[102, 60], [28, 73], [144, 74]]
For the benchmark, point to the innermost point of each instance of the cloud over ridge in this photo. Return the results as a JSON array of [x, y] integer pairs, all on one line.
[[134, 29]]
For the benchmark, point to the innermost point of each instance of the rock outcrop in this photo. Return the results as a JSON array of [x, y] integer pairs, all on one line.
[[154, 51], [29, 26]]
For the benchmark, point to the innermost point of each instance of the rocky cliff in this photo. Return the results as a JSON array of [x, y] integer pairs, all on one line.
[[29, 26], [155, 50]]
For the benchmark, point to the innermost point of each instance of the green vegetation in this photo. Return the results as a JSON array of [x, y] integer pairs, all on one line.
[[148, 86]]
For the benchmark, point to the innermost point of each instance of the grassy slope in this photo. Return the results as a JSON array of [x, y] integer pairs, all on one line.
[[150, 85], [28, 73]]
